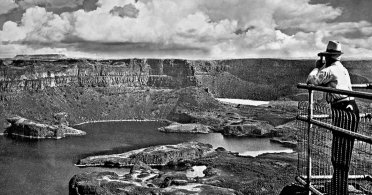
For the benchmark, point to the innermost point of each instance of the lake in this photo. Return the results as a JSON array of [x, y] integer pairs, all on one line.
[[46, 166]]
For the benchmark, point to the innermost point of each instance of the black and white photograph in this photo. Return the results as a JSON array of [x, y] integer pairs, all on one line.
[[185, 97]]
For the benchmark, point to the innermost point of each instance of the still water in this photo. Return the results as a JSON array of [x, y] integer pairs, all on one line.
[[46, 166]]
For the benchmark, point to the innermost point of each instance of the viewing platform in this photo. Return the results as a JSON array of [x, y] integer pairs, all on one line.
[[328, 136]]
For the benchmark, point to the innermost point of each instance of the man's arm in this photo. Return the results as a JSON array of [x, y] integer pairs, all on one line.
[[312, 78], [319, 76]]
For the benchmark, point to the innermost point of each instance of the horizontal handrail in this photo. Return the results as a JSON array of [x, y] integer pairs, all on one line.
[[329, 177], [327, 116], [351, 134], [364, 85], [358, 94]]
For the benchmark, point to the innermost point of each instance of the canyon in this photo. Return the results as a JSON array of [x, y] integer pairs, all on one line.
[[90, 90], [180, 93]]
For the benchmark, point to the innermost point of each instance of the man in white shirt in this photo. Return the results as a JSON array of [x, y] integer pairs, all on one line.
[[345, 113]]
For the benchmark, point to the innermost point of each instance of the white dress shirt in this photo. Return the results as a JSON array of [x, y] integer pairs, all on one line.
[[334, 76]]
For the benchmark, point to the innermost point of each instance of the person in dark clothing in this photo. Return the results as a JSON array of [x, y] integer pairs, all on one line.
[[345, 112]]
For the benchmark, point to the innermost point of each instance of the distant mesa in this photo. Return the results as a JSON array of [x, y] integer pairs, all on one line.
[[40, 57]]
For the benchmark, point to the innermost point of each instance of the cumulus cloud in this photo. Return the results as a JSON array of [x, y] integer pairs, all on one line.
[[304, 16], [199, 28], [37, 25], [7, 5], [126, 11], [11, 33]]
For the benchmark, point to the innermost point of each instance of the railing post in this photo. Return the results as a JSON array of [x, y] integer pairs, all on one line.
[[310, 116]]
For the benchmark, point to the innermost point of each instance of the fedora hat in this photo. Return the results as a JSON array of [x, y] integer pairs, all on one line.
[[333, 48]]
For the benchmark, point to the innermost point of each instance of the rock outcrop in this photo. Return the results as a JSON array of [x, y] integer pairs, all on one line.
[[141, 182], [186, 128], [237, 125], [248, 128], [287, 134], [22, 127], [286, 143], [195, 105], [154, 156], [265, 174], [61, 118]]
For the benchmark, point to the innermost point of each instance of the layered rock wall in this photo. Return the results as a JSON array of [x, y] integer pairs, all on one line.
[[265, 79], [27, 76]]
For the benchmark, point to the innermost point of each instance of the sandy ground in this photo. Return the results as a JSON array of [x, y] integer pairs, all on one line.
[[243, 101]]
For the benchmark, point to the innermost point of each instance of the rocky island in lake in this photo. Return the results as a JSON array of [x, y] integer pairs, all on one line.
[[22, 127]]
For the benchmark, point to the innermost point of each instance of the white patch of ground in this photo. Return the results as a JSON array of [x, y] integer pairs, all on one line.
[[193, 187], [143, 179], [256, 153], [121, 155], [196, 171], [242, 101]]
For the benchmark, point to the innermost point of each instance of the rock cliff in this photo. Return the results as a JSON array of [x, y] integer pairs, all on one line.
[[251, 128], [145, 88], [265, 79]]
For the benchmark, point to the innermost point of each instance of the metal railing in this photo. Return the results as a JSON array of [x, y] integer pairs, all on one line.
[[327, 132]]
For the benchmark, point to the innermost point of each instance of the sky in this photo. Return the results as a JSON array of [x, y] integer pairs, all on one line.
[[192, 29]]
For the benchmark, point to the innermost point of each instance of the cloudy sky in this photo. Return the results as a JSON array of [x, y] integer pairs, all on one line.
[[185, 28]]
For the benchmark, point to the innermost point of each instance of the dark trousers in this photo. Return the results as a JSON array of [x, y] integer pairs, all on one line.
[[345, 115]]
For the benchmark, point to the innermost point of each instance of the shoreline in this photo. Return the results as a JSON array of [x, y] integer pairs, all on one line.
[[30, 137], [121, 120], [116, 166], [262, 152]]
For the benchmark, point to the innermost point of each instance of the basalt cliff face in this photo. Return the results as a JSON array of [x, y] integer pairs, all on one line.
[[145, 88]]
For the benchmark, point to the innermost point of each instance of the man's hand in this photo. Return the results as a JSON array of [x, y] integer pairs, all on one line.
[[319, 64]]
